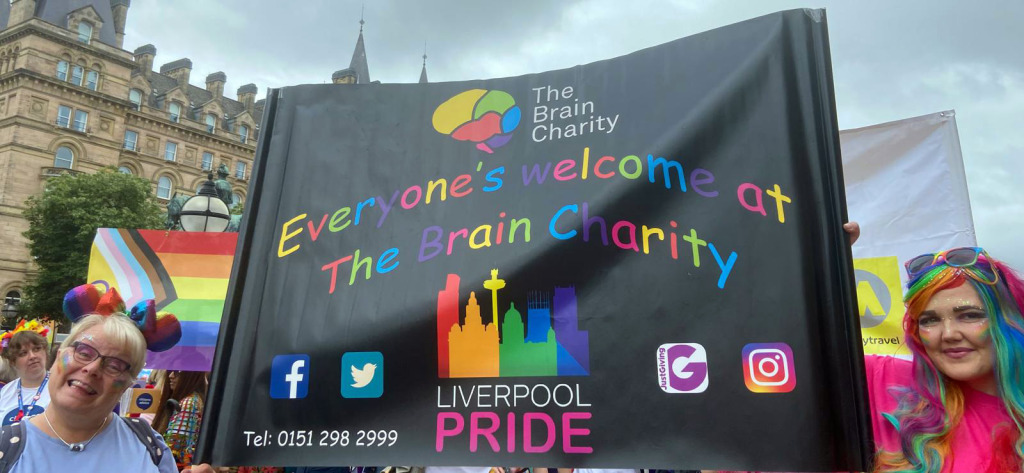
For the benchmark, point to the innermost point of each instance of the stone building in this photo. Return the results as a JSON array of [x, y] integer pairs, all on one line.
[[73, 101]]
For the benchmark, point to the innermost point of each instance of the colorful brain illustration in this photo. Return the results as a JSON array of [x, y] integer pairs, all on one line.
[[484, 117]]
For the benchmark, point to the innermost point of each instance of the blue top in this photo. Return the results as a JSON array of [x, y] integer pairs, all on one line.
[[116, 448]]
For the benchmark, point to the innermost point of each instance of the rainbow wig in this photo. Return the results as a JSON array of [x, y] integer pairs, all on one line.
[[930, 410]]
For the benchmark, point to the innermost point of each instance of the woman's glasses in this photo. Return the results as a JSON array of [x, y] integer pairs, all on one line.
[[86, 354], [956, 257]]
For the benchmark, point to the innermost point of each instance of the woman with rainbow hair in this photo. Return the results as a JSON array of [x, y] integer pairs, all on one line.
[[958, 406]]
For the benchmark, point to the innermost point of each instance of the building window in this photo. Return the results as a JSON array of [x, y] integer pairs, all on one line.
[[235, 200], [243, 133], [131, 140], [64, 158], [211, 122], [63, 116], [174, 109], [81, 119], [135, 97], [124, 170], [170, 150], [84, 32], [76, 74], [207, 161], [92, 79], [163, 187], [240, 170]]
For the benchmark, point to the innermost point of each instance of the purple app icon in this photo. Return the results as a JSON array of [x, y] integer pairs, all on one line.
[[682, 368]]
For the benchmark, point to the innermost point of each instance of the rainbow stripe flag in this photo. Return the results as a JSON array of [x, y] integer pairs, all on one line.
[[186, 274]]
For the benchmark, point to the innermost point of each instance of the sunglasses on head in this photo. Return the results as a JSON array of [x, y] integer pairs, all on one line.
[[956, 257]]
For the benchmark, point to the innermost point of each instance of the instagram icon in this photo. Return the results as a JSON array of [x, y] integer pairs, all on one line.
[[768, 368]]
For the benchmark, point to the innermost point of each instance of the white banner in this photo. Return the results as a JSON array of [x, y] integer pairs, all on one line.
[[905, 184]]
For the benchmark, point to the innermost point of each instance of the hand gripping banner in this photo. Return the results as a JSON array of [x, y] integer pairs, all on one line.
[[632, 263]]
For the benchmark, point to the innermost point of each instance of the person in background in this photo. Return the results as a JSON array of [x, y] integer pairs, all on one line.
[[26, 349], [7, 373], [181, 427], [155, 380]]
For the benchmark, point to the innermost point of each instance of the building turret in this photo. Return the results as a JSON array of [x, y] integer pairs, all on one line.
[[120, 10], [344, 76], [21, 10], [144, 58], [358, 63], [215, 84], [247, 95], [423, 72], [178, 70]]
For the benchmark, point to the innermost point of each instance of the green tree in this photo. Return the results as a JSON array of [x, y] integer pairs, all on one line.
[[63, 221]]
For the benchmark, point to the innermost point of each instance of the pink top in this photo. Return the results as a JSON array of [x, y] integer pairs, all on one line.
[[973, 439]]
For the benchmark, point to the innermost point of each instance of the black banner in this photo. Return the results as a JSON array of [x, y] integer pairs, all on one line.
[[633, 263]]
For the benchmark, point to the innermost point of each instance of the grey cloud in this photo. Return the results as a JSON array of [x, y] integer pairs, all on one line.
[[891, 59]]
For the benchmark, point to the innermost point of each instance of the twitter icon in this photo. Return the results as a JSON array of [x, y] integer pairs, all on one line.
[[362, 374]]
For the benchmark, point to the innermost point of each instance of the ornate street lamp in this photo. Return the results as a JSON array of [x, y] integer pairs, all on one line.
[[205, 212], [10, 311], [10, 316]]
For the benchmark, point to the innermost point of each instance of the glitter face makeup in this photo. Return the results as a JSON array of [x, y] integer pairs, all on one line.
[[953, 328], [120, 383], [65, 360]]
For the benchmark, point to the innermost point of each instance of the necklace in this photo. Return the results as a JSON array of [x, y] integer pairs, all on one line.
[[74, 447], [21, 404]]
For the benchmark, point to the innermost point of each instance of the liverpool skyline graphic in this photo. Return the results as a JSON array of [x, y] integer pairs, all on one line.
[[547, 343]]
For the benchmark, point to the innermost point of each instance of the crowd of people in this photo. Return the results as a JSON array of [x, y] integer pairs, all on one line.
[[956, 406]]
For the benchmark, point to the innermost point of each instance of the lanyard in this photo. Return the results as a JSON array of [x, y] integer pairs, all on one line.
[[35, 399]]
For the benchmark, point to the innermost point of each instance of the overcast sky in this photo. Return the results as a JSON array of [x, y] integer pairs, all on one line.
[[891, 59]]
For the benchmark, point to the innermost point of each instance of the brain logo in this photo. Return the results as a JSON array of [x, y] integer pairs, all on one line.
[[484, 117]]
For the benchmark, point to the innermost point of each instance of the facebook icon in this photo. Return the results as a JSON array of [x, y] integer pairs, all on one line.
[[289, 376]]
